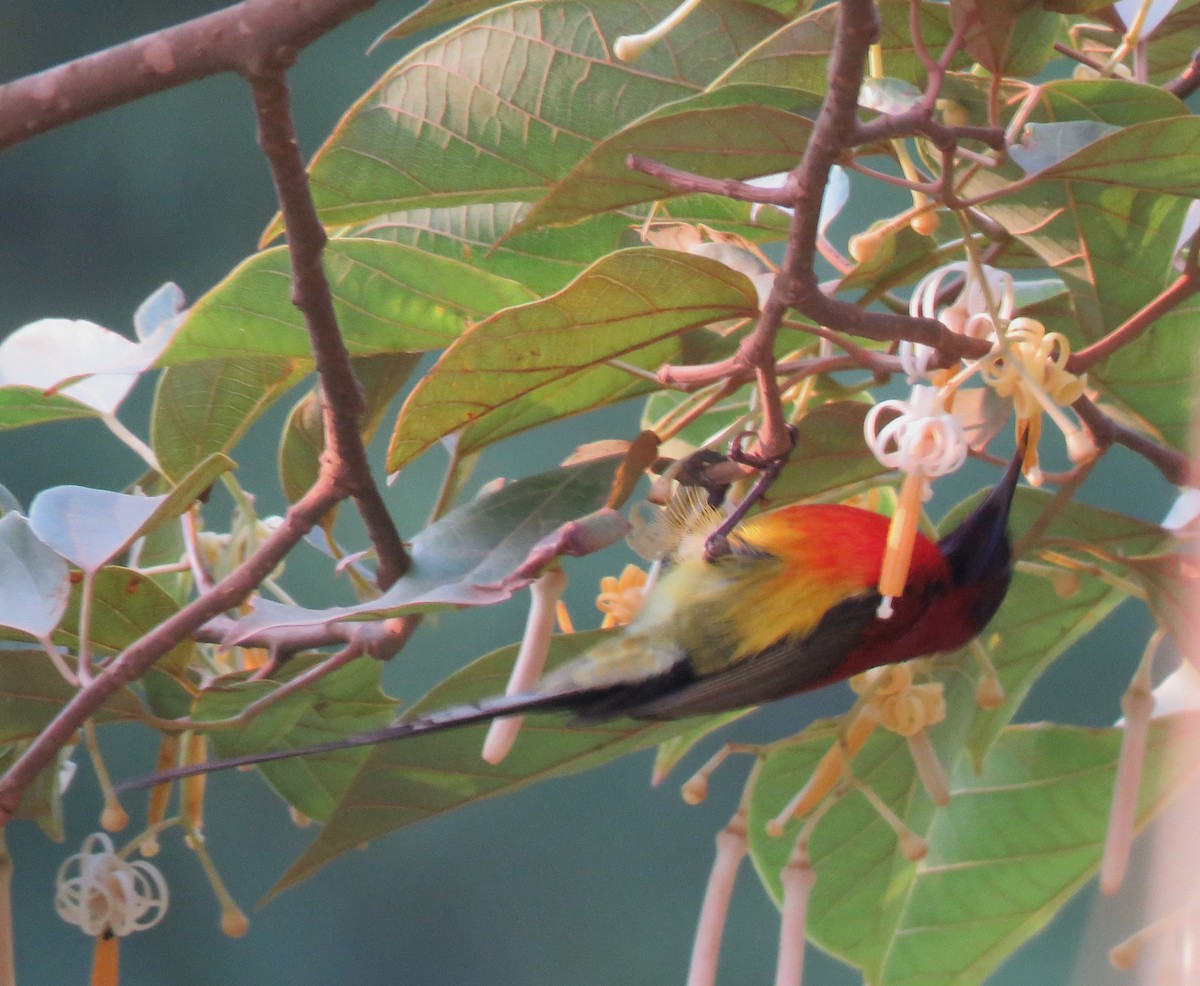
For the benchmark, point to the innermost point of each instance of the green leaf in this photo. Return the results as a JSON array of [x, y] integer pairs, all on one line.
[[469, 556], [1147, 156], [24, 406], [622, 303], [733, 132], [32, 693], [405, 782], [125, 606], [490, 110], [388, 297], [204, 408], [36, 579], [1156, 376], [1035, 625], [544, 260], [992, 877], [434, 13], [797, 55], [303, 439], [344, 702], [41, 801], [1008, 37], [586, 390]]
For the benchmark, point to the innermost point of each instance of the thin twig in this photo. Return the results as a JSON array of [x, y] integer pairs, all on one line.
[[1175, 466], [1080, 57]]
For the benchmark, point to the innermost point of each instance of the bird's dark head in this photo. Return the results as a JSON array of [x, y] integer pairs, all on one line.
[[978, 551]]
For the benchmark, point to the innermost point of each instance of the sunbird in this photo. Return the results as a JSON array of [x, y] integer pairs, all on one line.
[[790, 604]]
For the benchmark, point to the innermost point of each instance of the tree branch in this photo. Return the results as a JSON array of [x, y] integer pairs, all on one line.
[[235, 39], [345, 457], [1175, 466]]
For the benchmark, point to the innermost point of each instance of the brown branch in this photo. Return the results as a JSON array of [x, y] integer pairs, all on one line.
[[917, 122], [230, 40], [231, 591], [691, 184], [1183, 288], [380, 639], [1083, 59], [1188, 81], [345, 457], [1105, 432]]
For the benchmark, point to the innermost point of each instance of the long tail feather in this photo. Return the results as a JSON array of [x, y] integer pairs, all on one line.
[[431, 722]]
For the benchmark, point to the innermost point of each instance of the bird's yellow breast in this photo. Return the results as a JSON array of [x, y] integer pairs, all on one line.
[[786, 570]]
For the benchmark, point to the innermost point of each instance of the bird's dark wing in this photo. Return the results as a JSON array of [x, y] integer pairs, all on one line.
[[793, 665]]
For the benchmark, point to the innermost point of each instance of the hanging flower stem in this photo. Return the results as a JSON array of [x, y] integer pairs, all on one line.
[[929, 768], [706, 949], [1138, 706], [114, 817], [797, 879], [233, 921], [106, 960], [531, 659]]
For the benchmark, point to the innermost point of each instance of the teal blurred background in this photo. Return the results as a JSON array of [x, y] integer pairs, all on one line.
[[589, 880]]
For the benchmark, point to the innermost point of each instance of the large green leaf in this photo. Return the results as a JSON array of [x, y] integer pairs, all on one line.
[[388, 297], [591, 388], [405, 782], [506, 103], [1007, 37], [1014, 844], [1157, 377], [733, 132], [623, 303]]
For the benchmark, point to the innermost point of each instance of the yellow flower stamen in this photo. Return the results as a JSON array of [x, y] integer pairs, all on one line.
[[1029, 368], [621, 598], [831, 768]]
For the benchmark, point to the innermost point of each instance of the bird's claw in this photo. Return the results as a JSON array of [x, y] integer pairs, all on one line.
[[717, 544]]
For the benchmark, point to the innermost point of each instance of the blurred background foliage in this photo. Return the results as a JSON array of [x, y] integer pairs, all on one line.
[[592, 879]]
